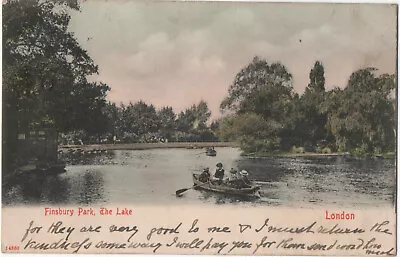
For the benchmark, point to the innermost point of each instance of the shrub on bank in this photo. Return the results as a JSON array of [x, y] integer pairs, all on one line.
[[323, 150], [297, 149]]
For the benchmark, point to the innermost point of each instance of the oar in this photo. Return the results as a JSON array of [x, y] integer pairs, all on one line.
[[199, 153], [180, 191]]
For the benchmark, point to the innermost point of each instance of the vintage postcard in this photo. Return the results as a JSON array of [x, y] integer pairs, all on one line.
[[202, 128]]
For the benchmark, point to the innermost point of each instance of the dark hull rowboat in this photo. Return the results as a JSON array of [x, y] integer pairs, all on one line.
[[224, 189], [211, 152]]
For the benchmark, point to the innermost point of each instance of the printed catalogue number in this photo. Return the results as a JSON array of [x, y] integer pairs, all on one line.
[[12, 248]]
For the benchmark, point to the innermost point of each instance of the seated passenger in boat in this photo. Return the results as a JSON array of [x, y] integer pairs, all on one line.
[[245, 180], [239, 179], [219, 173], [205, 175], [234, 178], [233, 175]]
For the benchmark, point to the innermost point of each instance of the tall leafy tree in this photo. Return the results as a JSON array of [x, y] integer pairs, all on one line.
[[311, 123], [44, 67], [265, 90], [45, 70], [317, 78]]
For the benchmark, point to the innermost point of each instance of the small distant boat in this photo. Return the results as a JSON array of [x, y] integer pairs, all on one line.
[[224, 189], [211, 152]]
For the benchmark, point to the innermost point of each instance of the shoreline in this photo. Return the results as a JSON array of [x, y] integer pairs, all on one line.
[[201, 145], [311, 154], [145, 146]]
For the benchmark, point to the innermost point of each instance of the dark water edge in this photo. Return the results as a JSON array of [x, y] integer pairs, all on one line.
[[312, 154], [153, 176]]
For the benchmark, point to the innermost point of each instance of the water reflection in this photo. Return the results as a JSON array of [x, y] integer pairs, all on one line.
[[58, 189], [219, 198], [34, 189], [153, 176], [92, 190]]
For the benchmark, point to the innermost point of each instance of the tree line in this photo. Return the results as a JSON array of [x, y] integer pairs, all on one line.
[[142, 123], [265, 114]]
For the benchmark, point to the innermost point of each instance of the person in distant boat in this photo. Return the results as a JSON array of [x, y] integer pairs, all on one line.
[[205, 175], [219, 173]]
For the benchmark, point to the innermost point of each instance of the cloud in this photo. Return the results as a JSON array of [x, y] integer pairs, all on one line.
[[177, 53]]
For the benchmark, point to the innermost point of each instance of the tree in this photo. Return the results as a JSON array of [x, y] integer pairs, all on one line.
[[317, 78], [311, 121], [112, 114], [226, 130], [252, 131], [361, 117], [194, 118], [265, 90], [167, 119], [141, 118], [45, 68], [45, 71], [202, 114], [261, 88], [186, 119]]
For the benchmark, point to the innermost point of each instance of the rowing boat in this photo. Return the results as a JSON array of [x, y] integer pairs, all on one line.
[[211, 152], [223, 188]]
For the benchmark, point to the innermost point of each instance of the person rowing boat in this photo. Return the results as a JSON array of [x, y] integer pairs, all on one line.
[[205, 175], [219, 173]]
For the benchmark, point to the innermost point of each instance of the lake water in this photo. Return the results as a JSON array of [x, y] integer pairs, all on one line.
[[153, 176]]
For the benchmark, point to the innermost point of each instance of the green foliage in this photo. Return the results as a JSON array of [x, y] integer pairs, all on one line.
[[317, 78], [261, 88], [324, 150], [194, 118], [297, 149], [309, 120], [45, 69], [265, 90], [252, 131], [361, 117], [226, 129], [167, 119], [268, 116], [141, 122], [45, 72]]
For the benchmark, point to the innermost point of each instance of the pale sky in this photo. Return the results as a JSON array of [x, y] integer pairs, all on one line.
[[178, 53]]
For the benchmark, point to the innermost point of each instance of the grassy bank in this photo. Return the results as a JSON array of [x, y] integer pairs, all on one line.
[[144, 146]]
